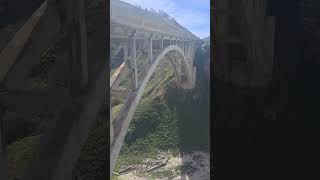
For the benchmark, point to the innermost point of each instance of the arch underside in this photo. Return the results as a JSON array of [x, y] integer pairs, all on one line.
[[175, 55]]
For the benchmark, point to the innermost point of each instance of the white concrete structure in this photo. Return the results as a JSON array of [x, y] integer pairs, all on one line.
[[164, 40]]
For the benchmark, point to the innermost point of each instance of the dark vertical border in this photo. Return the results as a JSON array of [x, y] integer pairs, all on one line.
[[108, 96], [212, 56]]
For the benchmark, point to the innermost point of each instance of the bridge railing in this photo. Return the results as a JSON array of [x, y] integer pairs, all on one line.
[[123, 15]]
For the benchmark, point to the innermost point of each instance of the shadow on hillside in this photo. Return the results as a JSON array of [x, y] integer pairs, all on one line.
[[193, 115]]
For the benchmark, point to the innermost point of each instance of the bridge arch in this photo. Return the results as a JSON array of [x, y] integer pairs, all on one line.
[[135, 97], [165, 53]]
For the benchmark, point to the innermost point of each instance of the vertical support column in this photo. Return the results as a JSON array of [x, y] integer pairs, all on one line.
[[135, 61], [111, 127], [187, 45], [83, 44], [150, 48], [161, 42], [189, 48], [192, 48], [125, 53], [78, 51], [187, 52], [181, 46]]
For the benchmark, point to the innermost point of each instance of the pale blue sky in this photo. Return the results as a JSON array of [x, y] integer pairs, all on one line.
[[192, 14]]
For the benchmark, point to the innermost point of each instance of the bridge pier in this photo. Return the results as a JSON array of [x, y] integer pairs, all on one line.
[[134, 49], [190, 49], [161, 42], [78, 48], [185, 49], [111, 126], [150, 48], [182, 47], [125, 53]]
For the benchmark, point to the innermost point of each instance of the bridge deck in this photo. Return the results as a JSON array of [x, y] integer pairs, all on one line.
[[139, 19]]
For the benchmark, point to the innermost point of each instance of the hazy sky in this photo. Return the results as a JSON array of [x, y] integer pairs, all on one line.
[[192, 14]]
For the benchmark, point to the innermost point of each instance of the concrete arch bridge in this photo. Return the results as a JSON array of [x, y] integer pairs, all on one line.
[[139, 32]]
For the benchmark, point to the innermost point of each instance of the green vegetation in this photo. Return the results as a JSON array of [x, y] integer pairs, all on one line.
[[158, 81], [187, 168], [116, 110], [92, 161], [95, 10], [114, 47], [154, 126], [20, 153], [125, 82], [165, 173], [39, 73], [166, 119]]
